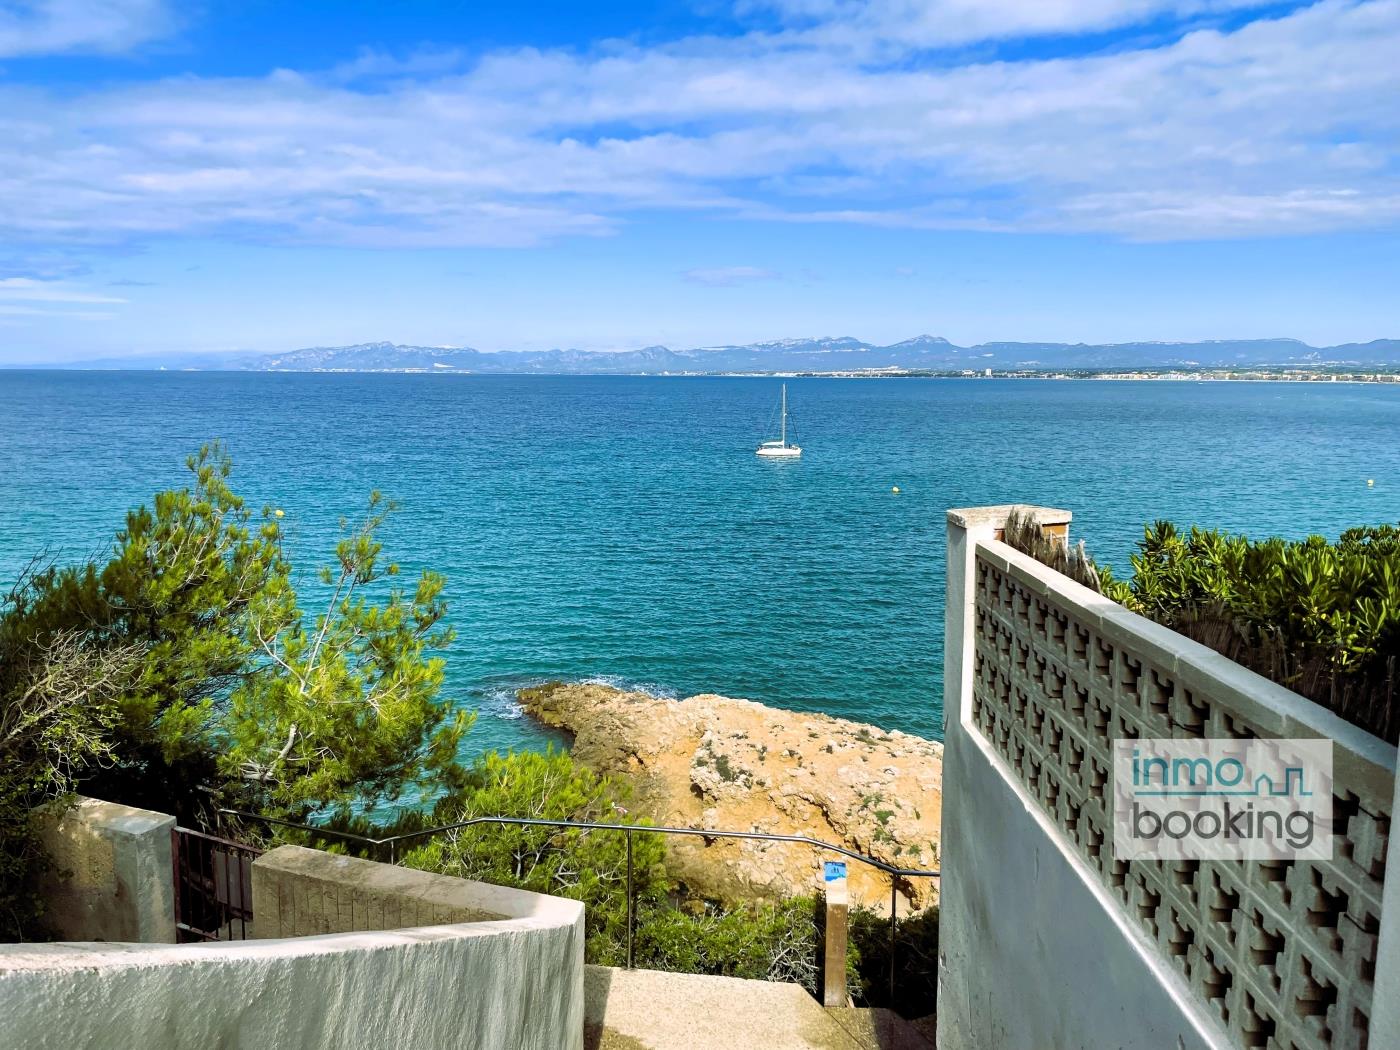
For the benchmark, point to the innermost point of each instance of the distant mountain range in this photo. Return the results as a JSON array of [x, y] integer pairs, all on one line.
[[827, 354]]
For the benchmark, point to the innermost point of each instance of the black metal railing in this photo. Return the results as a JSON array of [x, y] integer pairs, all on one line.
[[213, 886], [387, 849]]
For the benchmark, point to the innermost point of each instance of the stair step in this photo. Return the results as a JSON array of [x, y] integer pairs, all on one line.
[[881, 1029], [651, 1010]]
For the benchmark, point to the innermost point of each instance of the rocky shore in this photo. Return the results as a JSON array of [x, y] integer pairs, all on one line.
[[718, 762]]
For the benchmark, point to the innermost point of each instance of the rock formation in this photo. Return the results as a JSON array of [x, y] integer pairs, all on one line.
[[716, 762]]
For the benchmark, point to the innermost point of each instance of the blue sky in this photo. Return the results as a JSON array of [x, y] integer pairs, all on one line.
[[261, 176]]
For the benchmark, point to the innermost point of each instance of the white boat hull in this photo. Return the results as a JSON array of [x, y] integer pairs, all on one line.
[[787, 452]]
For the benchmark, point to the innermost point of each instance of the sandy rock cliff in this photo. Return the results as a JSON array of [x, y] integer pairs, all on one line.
[[714, 761]]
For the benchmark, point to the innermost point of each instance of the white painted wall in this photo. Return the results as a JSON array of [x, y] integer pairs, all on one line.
[[1385, 1019], [1034, 952], [514, 983]]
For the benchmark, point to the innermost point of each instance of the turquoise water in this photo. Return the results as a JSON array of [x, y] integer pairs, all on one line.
[[622, 528]]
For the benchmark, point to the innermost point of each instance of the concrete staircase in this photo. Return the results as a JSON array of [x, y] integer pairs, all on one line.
[[650, 1010]]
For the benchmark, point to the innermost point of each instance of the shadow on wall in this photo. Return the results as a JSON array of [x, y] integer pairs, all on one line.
[[597, 981]]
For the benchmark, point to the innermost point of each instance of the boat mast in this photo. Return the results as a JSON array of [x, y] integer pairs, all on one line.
[[784, 415]]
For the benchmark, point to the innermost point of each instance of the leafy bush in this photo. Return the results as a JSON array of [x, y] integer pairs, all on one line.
[[57, 707], [590, 866], [760, 941], [785, 942], [1321, 618], [916, 961], [181, 673]]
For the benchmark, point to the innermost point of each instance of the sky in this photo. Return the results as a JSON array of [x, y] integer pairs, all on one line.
[[210, 176]]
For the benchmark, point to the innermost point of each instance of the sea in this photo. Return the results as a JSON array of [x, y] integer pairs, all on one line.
[[620, 528]]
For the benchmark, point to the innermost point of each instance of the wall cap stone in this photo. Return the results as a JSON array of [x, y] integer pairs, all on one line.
[[456, 900], [115, 819], [995, 516]]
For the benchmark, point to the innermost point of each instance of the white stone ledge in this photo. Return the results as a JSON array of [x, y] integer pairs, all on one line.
[[995, 516], [513, 982], [299, 892]]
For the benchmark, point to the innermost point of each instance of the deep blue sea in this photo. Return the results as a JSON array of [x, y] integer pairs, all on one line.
[[621, 528]]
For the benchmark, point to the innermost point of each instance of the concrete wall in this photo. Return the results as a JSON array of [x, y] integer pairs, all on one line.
[[300, 892], [1047, 940], [1031, 955], [111, 877], [511, 982]]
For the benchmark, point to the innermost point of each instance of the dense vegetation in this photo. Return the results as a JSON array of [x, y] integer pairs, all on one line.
[[1321, 618], [185, 673], [583, 865]]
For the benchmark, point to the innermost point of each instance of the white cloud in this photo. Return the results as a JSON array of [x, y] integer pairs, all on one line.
[[46, 27], [373, 64], [951, 23], [27, 299], [67, 315], [1286, 125], [727, 276], [29, 289]]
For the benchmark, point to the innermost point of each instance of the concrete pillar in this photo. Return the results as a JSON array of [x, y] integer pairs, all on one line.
[[966, 526], [112, 877], [837, 902]]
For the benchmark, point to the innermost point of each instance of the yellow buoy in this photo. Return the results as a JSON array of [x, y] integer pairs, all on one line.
[[1370, 482], [895, 490], [278, 512]]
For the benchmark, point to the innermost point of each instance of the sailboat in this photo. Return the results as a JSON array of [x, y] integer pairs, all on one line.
[[780, 449]]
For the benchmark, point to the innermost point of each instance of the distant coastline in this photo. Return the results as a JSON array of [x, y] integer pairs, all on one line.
[[924, 355], [1211, 375], [1205, 375]]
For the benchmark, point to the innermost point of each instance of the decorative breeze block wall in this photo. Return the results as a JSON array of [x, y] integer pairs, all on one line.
[[1283, 952]]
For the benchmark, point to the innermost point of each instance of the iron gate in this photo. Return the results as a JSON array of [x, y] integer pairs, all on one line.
[[213, 886]]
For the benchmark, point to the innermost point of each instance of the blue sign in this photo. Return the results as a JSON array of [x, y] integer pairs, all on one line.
[[834, 869]]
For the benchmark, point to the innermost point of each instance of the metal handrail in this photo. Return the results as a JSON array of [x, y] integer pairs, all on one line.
[[392, 842]]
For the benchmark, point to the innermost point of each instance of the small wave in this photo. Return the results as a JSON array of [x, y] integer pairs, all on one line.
[[629, 685], [499, 701]]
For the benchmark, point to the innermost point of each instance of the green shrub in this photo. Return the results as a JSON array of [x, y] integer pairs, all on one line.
[[786, 942], [590, 866], [760, 941], [1321, 618], [916, 961]]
